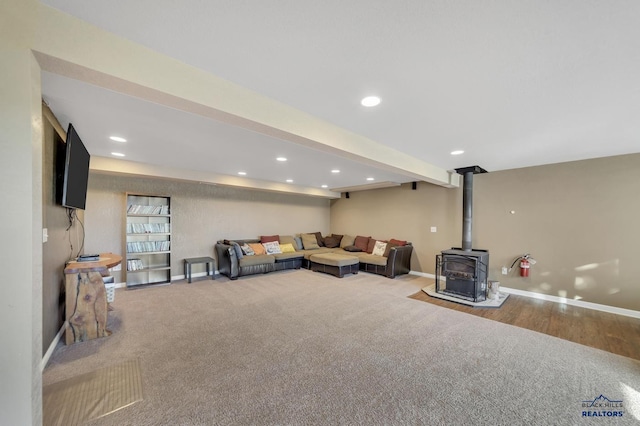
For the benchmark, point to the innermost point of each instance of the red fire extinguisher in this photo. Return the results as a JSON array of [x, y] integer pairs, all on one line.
[[524, 267]]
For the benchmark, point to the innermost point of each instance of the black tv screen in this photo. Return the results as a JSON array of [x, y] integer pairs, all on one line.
[[76, 171]]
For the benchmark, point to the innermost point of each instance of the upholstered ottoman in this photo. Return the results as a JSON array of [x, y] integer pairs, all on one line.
[[334, 264]]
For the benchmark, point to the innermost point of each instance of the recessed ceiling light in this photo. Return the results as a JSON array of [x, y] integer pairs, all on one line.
[[242, 173], [289, 180], [370, 178], [370, 101], [117, 139], [117, 154], [325, 186], [457, 152], [281, 159], [335, 171]]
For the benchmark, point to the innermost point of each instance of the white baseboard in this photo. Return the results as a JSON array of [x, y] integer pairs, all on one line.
[[174, 278], [556, 299], [52, 347], [193, 275], [424, 274]]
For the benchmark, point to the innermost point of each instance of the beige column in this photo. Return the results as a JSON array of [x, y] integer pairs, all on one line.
[[21, 223]]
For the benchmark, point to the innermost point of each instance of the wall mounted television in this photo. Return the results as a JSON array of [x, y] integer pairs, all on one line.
[[72, 171]]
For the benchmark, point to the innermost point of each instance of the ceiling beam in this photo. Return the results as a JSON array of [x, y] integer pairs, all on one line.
[[73, 48]]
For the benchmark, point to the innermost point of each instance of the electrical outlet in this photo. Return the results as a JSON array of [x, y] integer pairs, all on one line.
[[505, 271], [434, 229], [45, 235]]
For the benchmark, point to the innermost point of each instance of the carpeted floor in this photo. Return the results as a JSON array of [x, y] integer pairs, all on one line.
[[298, 347]]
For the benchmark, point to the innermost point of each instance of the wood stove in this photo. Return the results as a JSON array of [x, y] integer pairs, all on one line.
[[466, 270]]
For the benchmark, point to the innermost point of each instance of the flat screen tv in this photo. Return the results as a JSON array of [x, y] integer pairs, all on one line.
[[73, 171]]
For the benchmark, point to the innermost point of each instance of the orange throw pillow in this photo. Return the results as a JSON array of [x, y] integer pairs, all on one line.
[[258, 248]]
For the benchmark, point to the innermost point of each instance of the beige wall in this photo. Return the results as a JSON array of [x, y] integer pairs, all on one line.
[[405, 214], [21, 227], [577, 219], [201, 214]]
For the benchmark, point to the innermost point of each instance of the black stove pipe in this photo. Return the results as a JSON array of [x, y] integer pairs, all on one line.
[[467, 204], [467, 211]]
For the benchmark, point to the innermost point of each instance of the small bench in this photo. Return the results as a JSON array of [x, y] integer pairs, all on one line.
[[335, 264]]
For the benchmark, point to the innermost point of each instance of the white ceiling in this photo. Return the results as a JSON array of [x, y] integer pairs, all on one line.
[[513, 84]]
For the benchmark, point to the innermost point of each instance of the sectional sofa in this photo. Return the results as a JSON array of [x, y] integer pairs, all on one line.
[[275, 253]]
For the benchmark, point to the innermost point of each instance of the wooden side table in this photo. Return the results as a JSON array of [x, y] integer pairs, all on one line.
[[195, 260], [86, 298]]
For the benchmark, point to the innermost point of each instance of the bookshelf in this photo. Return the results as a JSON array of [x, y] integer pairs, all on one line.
[[147, 240]]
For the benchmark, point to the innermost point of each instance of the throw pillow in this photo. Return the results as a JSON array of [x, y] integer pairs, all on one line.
[[272, 247], [371, 245], [331, 242], [379, 248], [287, 239], [237, 249], [309, 241], [269, 238], [351, 248], [347, 240], [338, 237], [287, 248], [298, 245], [361, 242], [398, 242], [390, 245], [319, 238], [257, 248], [248, 251]]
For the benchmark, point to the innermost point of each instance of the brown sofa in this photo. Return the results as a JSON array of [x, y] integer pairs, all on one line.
[[233, 263]]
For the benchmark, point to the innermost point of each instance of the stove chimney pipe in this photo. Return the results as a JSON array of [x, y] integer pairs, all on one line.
[[467, 204]]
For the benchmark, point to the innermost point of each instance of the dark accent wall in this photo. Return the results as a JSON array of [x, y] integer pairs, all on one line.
[[57, 250]]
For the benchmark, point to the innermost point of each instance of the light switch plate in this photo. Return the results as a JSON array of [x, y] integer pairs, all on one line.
[[434, 229]]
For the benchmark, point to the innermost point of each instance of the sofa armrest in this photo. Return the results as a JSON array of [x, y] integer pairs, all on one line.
[[227, 260], [399, 260]]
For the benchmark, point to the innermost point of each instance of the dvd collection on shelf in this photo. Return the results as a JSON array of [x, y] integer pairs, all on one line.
[[138, 209], [148, 228], [134, 264], [148, 246], [147, 239]]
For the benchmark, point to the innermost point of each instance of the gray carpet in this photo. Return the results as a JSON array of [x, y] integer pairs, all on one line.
[[298, 347]]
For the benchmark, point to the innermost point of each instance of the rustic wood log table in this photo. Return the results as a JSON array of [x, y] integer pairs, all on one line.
[[86, 298]]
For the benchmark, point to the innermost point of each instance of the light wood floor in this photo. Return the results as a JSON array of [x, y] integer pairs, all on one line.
[[613, 333]]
